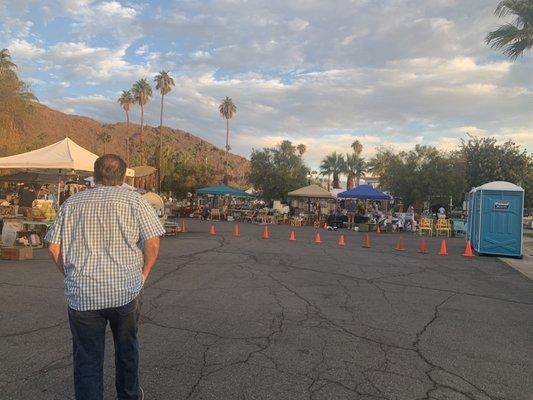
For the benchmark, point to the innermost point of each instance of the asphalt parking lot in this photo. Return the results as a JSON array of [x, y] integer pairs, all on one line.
[[248, 318]]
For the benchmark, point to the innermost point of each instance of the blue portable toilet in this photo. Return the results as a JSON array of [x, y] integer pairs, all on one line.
[[495, 223]]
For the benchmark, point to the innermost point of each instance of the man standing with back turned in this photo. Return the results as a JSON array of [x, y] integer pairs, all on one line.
[[105, 241]]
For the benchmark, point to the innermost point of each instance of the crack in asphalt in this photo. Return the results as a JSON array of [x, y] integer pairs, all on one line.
[[30, 331]]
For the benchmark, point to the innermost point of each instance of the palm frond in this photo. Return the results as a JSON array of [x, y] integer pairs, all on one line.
[[513, 39], [142, 91], [227, 109], [164, 82]]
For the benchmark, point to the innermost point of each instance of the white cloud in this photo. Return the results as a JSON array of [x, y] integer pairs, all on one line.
[[21, 49], [200, 55], [389, 72], [108, 18], [96, 65]]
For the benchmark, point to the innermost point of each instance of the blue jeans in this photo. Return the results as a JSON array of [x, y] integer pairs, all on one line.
[[88, 337]]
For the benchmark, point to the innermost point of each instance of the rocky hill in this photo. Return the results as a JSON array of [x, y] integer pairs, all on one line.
[[47, 126]]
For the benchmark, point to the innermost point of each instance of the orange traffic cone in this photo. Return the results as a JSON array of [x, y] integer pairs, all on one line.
[[378, 230], [212, 230], [468, 250], [399, 245], [342, 242], [317, 238], [423, 248], [266, 234], [183, 227], [236, 231], [325, 225], [443, 251], [366, 241], [292, 236]]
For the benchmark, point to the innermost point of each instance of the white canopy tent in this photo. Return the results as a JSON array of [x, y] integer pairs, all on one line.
[[312, 191], [63, 155]]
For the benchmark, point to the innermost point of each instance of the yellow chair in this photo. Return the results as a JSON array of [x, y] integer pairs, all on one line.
[[443, 225], [426, 224]]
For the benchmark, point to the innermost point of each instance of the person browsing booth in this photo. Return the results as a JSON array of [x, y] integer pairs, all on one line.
[[105, 241]]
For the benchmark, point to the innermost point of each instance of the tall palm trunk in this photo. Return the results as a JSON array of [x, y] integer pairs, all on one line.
[[127, 137], [141, 141], [350, 182], [161, 145], [226, 178], [336, 181]]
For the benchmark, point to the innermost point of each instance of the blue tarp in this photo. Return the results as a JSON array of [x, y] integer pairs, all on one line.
[[366, 192], [223, 190]]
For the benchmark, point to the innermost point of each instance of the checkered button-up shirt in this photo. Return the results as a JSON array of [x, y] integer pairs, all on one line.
[[101, 232]]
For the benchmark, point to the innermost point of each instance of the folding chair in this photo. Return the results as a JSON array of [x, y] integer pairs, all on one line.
[[443, 225], [426, 224]]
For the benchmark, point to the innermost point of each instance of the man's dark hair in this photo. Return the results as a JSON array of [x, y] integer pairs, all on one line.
[[109, 170]]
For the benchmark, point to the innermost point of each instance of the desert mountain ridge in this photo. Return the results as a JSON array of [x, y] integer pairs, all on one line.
[[46, 126]]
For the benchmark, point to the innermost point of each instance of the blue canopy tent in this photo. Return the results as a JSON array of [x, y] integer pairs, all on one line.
[[223, 190], [364, 192]]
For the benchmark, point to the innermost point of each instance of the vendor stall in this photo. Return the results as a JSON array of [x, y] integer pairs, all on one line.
[[366, 193], [222, 200], [62, 156], [315, 207], [61, 159]]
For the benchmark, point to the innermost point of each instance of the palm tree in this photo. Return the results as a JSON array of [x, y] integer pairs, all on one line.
[[357, 147], [333, 165], [5, 62], [142, 92], [355, 169], [301, 149], [227, 110], [104, 137], [513, 38], [126, 100], [163, 83], [326, 170]]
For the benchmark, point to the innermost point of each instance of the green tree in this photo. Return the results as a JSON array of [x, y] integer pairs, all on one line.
[[104, 137], [424, 172], [420, 174], [277, 171], [142, 93], [126, 101], [302, 148], [379, 164], [333, 165], [16, 105], [355, 169], [163, 83], [513, 38], [487, 161], [227, 109]]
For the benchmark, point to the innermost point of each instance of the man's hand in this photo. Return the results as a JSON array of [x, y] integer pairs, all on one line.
[[151, 251], [55, 251]]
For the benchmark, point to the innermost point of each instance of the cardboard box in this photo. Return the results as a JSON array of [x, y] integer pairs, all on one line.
[[364, 228], [17, 253]]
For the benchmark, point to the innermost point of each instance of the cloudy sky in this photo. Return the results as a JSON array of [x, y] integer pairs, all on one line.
[[388, 72]]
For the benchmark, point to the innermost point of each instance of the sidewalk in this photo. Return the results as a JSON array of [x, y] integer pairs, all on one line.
[[524, 265]]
